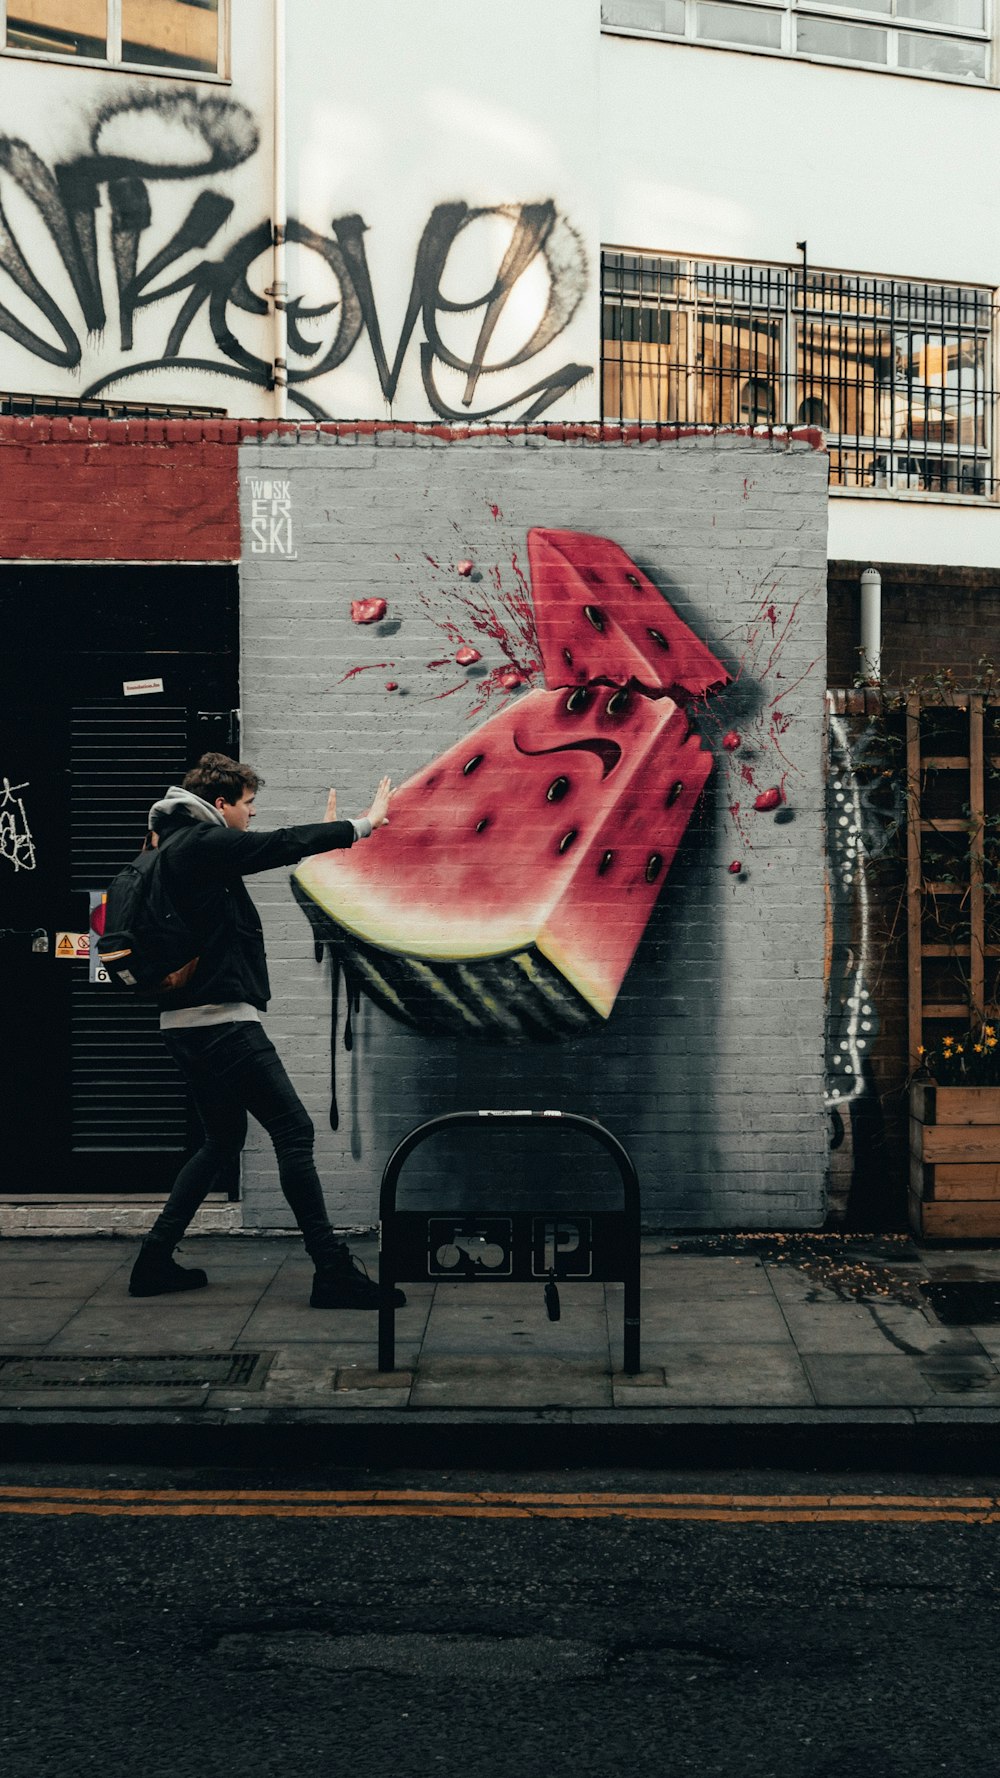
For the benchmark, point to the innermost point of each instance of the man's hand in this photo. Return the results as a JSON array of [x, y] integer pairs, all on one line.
[[378, 814], [331, 806]]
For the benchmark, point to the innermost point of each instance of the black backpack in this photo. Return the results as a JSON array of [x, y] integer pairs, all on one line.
[[147, 947]]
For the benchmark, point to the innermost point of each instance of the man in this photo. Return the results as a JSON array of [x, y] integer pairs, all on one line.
[[212, 1026]]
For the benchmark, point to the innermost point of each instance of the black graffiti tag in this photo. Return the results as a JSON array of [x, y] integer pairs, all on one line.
[[216, 136]]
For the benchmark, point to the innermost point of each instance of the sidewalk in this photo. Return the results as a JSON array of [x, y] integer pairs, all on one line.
[[737, 1332]]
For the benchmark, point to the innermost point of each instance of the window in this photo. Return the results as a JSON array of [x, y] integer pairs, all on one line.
[[180, 36], [949, 38], [897, 374]]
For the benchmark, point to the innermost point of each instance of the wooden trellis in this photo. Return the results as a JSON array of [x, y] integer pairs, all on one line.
[[947, 798]]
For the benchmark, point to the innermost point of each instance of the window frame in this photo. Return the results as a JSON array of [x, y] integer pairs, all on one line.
[[788, 11], [112, 61], [763, 294]]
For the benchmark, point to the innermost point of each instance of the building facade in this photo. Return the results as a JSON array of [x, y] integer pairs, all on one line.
[[301, 311]]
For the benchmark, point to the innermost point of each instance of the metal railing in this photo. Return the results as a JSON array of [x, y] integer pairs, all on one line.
[[897, 374]]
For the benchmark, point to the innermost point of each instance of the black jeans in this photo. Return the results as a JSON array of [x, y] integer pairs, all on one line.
[[234, 1069]]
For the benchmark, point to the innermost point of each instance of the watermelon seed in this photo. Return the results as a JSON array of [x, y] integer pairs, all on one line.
[[557, 790], [662, 640], [605, 864], [594, 616], [577, 700], [633, 580], [567, 840], [673, 793], [654, 865], [484, 823], [618, 702], [470, 765], [567, 657]]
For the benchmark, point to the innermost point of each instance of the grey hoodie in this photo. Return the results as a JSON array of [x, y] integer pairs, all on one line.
[[178, 798]]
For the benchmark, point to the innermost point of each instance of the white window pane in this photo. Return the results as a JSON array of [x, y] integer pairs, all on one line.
[[171, 33], [60, 27], [859, 6], [942, 55], [740, 24], [965, 15], [645, 15], [849, 43]]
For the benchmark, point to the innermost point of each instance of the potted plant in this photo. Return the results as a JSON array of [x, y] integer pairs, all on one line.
[[955, 1137]]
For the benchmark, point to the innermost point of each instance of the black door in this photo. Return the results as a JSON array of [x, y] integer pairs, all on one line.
[[89, 1098]]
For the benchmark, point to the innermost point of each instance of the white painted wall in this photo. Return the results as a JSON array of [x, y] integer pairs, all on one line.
[[392, 109], [51, 115], [713, 152], [395, 108]]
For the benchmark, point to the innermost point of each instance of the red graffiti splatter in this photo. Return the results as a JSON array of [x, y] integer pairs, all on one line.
[[747, 775], [368, 611], [375, 667], [769, 799], [431, 560], [495, 510], [780, 723], [444, 662]]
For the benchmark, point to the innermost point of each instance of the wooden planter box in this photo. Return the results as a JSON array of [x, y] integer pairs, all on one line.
[[955, 1161]]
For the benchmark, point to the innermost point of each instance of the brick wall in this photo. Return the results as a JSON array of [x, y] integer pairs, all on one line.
[[932, 618], [710, 1066], [128, 491]]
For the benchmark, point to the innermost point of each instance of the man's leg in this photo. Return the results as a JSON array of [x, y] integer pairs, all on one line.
[[269, 1096], [205, 1058]]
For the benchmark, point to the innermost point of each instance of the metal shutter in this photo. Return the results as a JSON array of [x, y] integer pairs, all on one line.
[[126, 1094]]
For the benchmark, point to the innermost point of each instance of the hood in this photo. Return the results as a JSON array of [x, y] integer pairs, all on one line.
[[182, 802]]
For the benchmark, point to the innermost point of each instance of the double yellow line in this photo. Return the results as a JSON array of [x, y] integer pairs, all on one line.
[[421, 1503]]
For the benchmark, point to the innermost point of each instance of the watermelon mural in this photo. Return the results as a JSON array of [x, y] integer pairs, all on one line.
[[509, 894]]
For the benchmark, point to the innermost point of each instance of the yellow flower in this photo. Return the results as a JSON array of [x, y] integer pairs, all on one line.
[[978, 1048], [920, 1050], [960, 1049], [948, 1042], [991, 1043], [989, 1031]]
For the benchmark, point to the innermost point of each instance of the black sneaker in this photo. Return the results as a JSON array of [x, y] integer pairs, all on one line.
[[345, 1284], [156, 1273]]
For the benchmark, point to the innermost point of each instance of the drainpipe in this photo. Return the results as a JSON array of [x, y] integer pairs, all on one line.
[[279, 288], [871, 625]]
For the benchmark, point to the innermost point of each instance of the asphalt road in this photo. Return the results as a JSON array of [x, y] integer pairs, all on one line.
[[167, 1622]]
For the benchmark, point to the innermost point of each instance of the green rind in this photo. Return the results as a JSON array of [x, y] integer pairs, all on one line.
[[519, 998]]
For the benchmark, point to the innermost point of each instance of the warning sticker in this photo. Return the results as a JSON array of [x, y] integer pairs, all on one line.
[[73, 944]]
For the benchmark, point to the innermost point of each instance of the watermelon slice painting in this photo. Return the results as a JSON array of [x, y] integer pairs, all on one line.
[[507, 897]]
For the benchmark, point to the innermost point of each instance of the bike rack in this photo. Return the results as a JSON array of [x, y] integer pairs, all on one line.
[[538, 1245]]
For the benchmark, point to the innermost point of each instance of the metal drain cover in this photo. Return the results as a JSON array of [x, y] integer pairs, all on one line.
[[161, 1370], [965, 1302]]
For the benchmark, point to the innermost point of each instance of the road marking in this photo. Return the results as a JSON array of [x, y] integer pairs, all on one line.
[[760, 1509]]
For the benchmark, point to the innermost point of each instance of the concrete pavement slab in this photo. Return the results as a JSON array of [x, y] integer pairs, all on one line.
[[751, 1319], [479, 1381], [855, 1380], [25, 1321], [709, 1374], [873, 1328], [151, 1324], [38, 1278]]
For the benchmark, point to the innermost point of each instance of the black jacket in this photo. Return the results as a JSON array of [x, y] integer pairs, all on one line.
[[204, 866]]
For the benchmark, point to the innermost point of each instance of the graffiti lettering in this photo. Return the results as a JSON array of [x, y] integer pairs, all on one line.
[[16, 843], [203, 138]]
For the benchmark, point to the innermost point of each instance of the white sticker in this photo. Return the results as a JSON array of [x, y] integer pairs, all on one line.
[[140, 688]]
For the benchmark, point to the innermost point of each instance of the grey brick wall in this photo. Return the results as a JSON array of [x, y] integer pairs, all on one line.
[[710, 1068]]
